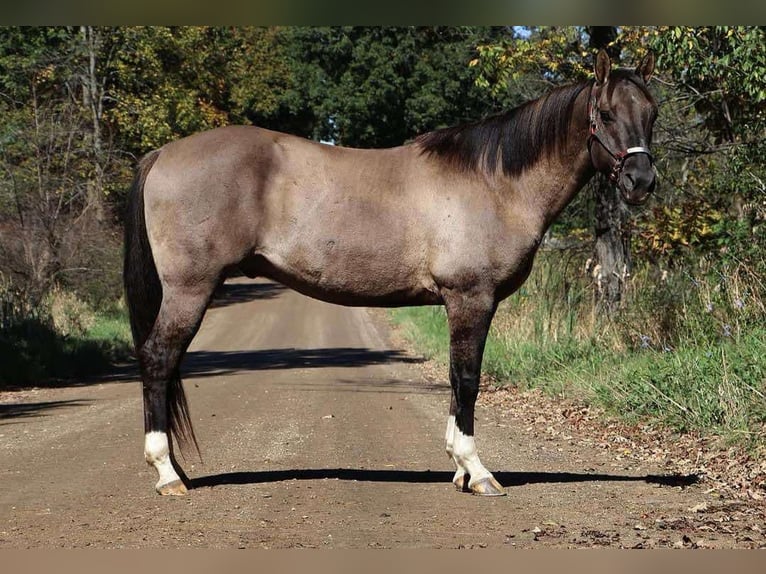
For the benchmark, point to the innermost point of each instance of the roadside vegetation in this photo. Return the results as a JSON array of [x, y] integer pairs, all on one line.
[[686, 348], [653, 312], [62, 338]]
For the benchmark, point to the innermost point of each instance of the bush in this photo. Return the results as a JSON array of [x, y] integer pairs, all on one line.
[[61, 339], [69, 315]]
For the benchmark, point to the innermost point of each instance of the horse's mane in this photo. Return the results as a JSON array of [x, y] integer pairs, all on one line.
[[515, 139]]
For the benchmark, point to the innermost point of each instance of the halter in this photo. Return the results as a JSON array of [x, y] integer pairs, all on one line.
[[620, 156]]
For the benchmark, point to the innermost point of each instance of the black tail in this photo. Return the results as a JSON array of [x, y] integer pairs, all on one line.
[[143, 293], [143, 290]]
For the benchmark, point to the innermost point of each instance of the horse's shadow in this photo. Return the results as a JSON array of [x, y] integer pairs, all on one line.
[[507, 479]]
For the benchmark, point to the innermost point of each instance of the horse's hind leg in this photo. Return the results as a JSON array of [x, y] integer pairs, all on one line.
[[469, 315], [164, 403]]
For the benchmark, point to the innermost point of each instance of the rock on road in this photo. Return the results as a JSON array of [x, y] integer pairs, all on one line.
[[315, 431]]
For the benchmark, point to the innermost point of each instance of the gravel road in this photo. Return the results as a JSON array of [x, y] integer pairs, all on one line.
[[317, 430]]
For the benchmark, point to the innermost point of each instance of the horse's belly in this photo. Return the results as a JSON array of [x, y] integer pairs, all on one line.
[[366, 279]]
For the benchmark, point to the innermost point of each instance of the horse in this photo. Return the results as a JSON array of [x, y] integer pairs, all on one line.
[[453, 218]]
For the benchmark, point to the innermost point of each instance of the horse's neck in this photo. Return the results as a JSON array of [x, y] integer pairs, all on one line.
[[546, 188]]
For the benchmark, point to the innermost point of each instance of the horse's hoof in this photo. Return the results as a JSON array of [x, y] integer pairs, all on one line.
[[487, 487], [174, 488], [461, 483]]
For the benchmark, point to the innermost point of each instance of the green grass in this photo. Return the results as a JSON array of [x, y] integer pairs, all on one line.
[[700, 370], [34, 353], [110, 328], [426, 328]]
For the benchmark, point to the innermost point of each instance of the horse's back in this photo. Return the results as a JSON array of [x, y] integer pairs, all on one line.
[[340, 224], [351, 226]]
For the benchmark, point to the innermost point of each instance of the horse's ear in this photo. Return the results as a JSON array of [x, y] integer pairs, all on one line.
[[646, 67], [603, 66]]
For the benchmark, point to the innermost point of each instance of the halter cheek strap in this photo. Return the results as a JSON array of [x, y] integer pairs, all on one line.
[[619, 156]]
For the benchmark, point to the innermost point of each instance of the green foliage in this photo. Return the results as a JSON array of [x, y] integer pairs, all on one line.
[[713, 133], [538, 55], [670, 230], [380, 86], [165, 84], [64, 340], [359, 86], [257, 75], [687, 350], [33, 55], [724, 67]]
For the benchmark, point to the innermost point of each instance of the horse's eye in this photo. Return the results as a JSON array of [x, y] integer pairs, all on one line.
[[606, 116]]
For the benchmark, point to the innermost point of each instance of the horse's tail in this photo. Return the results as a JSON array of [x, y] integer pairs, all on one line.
[[143, 293], [143, 290]]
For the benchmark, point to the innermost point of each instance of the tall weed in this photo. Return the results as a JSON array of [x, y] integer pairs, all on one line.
[[687, 347]]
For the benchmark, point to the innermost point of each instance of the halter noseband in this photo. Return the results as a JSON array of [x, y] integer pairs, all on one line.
[[620, 156]]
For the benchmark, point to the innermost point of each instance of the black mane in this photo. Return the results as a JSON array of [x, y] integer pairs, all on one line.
[[516, 138]]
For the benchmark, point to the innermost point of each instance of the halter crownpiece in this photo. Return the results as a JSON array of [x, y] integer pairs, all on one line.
[[620, 156]]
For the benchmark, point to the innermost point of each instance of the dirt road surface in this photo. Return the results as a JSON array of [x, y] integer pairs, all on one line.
[[317, 431]]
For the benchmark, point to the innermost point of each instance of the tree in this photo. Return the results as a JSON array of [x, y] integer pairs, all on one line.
[[556, 55], [611, 246], [379, 87], [715, 136], [47, 201], [165, 85], [79, 104], [721, 70]]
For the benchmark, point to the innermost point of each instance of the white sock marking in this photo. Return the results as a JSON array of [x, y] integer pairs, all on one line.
[[157, 453], [450, 448], [450, 434], [467, 457]]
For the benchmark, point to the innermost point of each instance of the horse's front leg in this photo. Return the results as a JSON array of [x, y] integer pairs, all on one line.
[[469, 316]]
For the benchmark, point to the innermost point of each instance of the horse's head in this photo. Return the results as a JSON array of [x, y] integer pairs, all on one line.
[[622, 114]]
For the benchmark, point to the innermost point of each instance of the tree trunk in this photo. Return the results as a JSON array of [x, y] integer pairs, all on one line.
[[612, 247], [92, 97], [611, 251]]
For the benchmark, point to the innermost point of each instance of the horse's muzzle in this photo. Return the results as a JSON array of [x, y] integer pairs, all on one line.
[[638, 179]]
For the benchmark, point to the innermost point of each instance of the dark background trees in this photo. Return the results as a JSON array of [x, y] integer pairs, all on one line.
[[656, 311], [80, 104]]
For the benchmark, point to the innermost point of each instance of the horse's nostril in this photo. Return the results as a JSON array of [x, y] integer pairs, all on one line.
[[630, 181]]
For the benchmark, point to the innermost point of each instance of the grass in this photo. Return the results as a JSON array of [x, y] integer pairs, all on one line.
[[686, 351], [110, 327], [35, 351]]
